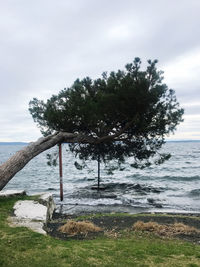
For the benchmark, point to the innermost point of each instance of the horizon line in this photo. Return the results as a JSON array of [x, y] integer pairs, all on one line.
[[27, 142]]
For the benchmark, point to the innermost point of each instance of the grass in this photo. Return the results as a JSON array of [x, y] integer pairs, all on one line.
[[22, 247], [119, 214]]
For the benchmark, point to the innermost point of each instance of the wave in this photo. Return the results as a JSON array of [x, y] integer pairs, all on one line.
[[195, 193], [92, 202], [182, 178], [164, 177], [132, 187]]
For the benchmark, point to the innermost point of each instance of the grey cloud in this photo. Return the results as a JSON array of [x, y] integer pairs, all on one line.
[[193, 110], [45, 45]]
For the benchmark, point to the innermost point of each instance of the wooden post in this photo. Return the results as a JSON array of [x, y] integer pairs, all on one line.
[[61, 172], [98, 172]]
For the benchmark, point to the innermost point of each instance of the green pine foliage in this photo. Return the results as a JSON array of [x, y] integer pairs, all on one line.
[[128, 113]]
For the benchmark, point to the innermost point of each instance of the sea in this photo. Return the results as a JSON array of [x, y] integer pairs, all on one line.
[[173, 186]]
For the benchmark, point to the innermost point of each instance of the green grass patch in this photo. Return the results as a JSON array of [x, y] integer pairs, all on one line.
[[119, 214], [22, 247]]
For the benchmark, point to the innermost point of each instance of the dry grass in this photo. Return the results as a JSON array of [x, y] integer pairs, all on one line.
[[165, 229], [112, 233], [83, 227]]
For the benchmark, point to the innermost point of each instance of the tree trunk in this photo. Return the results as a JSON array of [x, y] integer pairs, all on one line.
[[22, 157]]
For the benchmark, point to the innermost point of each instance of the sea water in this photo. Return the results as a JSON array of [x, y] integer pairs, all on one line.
[[171, 187]]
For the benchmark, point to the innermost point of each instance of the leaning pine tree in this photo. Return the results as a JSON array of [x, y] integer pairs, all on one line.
[[124, 114]]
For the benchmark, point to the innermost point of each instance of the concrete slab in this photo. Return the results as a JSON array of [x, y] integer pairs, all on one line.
[[35, 226], [28, 209], [33, 214]]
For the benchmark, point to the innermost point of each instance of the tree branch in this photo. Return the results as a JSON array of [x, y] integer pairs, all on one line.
[[22, 157]]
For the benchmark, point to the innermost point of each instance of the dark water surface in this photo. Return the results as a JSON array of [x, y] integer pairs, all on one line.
[[172, 186]]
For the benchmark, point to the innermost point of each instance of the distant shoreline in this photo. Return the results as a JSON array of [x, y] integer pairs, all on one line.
[[182, 141], [13, 143], [168, 141]]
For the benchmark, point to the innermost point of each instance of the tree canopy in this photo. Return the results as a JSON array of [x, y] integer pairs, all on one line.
[[127, 113]]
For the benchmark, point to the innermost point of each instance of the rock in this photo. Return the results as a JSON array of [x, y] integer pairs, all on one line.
[[33, 214], [29, 214], [35, 226], [126, 201], [9, 193], [47, 200], [153, 203], [151, 200], [98, 188], [158, 206], [137, 187], [156, 190], [30, 209]]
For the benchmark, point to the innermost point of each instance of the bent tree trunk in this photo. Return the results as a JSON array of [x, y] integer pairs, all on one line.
[[22, 157]]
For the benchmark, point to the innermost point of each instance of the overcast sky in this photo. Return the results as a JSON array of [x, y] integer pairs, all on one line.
[[46, 44]]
